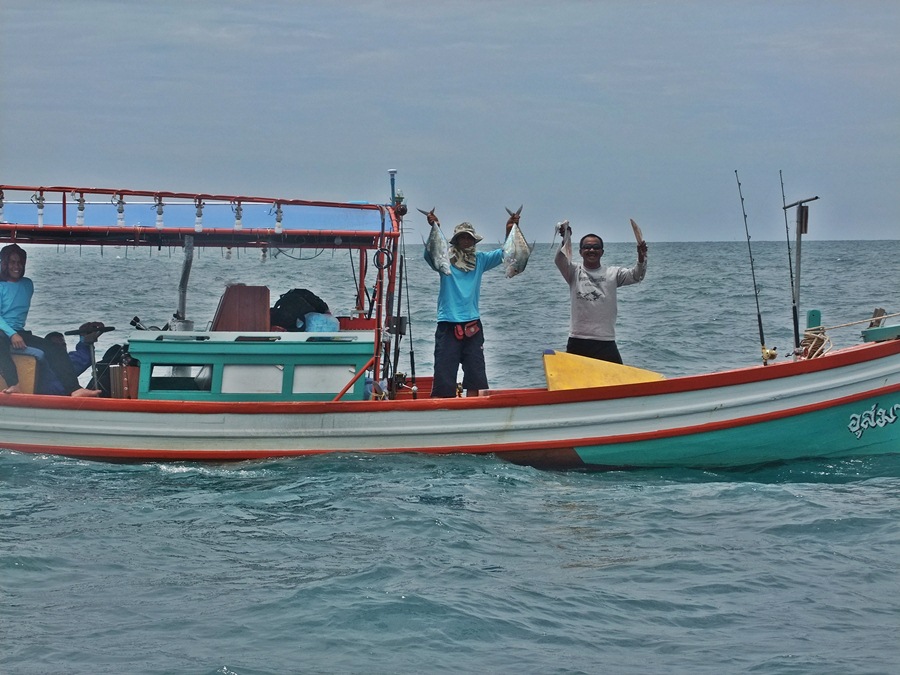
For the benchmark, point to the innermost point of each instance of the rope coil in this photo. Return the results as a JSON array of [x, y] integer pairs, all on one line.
[[815, 343]]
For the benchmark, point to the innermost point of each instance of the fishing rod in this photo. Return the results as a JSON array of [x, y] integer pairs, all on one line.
[[398, 324], [402, 325], [767, 354], [794, 309], [412, 351]]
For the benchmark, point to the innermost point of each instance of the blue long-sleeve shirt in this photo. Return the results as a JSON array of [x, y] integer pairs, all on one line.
[[15, 301], [460, 291]]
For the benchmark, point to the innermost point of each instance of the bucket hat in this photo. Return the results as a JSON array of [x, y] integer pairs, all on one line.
[[465, 228]]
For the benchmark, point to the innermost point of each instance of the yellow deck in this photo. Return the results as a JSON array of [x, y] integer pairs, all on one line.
[[570, 371]]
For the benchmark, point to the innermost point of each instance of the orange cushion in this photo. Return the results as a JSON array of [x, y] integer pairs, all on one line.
[[26, 366]]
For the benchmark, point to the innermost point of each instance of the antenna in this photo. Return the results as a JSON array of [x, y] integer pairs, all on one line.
[[393, 173]]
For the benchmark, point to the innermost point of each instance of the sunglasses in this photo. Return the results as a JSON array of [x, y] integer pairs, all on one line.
[[592, 247]]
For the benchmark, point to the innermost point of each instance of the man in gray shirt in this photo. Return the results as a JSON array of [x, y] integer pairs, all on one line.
[[592, 287]]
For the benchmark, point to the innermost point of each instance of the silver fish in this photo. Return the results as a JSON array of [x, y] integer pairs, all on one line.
[[437, 250], [515, 252]]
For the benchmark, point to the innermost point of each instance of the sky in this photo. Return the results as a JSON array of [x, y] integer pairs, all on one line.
[[595, 112]]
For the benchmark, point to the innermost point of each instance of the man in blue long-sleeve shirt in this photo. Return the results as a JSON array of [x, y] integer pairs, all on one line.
[[459, 338]]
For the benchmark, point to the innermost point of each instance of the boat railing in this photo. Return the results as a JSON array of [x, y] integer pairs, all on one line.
[[816, 340]]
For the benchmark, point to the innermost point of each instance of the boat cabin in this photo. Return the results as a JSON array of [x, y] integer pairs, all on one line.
[[247, 366]]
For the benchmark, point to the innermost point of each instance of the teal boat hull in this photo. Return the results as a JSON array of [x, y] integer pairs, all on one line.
[[858, 429]]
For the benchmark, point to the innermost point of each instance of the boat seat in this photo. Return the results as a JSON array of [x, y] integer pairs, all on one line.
[[877, 318], [26, 366], [243, 308]]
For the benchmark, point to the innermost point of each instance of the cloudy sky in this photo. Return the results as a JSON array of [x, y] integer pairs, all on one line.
[[592, 111]]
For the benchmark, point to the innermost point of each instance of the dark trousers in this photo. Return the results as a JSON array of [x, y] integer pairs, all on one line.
[[56, 358], [451, 351], [602, 350]]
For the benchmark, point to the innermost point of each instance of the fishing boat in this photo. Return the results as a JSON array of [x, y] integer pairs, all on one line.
[[235, 387]]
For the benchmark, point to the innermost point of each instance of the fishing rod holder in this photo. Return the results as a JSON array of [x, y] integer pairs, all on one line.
[[798, 203], [396, 325]]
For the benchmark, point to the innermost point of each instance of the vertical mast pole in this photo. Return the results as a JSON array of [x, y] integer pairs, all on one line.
[[802, 226], [794, 299]]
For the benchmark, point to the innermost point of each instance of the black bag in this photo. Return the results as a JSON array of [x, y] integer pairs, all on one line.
[[293, 306]]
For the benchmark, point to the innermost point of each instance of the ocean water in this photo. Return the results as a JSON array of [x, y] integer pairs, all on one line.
[[409, 564]]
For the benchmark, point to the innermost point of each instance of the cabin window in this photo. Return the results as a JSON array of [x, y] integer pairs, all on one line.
[[180, 377], [252, 379], [322, 379]]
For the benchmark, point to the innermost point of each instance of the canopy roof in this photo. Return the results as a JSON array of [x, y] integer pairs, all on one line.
[[57, 215]]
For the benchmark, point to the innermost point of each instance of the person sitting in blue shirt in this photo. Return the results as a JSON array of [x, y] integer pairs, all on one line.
[[15, 300]]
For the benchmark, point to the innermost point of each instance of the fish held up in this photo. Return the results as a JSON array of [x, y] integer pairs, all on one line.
[[515, 249], [437, 248]]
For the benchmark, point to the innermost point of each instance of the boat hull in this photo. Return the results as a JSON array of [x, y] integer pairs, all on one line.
[[845, 404]]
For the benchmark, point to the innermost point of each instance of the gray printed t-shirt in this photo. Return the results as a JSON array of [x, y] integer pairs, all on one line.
[[593, 295]]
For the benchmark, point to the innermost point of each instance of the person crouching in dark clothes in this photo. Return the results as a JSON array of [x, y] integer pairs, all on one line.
[[81, 360]]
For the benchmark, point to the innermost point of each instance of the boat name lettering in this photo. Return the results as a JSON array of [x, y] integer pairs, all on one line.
[[873, 417]]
